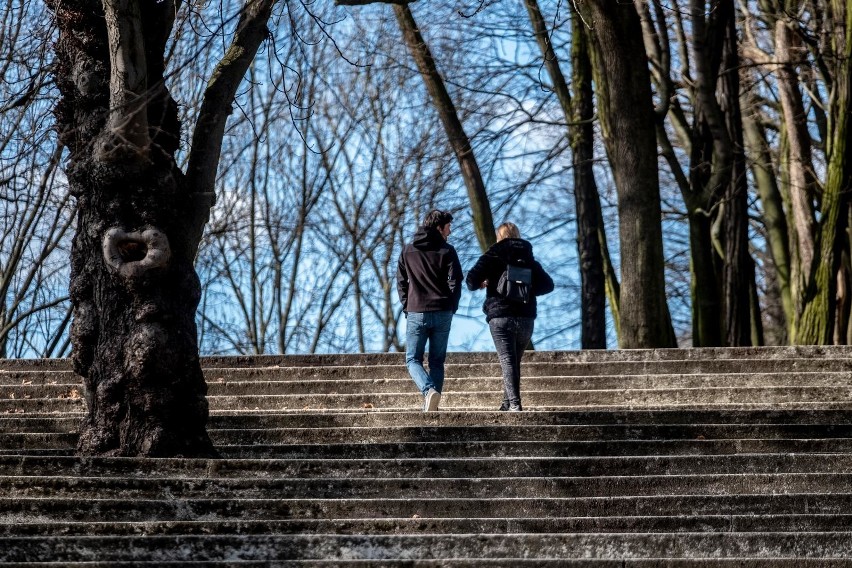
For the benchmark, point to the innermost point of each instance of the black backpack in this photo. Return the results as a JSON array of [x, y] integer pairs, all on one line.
[[515, 284]]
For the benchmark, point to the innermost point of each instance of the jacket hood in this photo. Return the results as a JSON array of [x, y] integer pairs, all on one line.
[[427, 238], [513, 251]]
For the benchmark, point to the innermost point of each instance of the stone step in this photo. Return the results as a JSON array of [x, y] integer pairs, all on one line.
[[770, 545], [593, 355], [445, 525], [535, 368], [434, 426], [15, 372], [740, 435], [57, 510], [496, 432], [437, 468], [615, 397], [50, 488], [246, 445], [708, 353], [531, 383], [259, 385], [688, 398], [582, 417], [525, 449], [468, 562], [820, 418]]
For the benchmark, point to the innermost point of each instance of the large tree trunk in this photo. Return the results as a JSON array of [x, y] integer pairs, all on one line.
[[626, 111], [579, 114], [591, 237], [710, 165], [133, 286], [700, 198], [483, 223]]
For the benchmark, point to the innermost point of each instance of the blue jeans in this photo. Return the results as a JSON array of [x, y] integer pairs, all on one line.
[[433, 327], [511, 337]]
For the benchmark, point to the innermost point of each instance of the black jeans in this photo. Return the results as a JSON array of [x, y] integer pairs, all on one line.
[[511, 337]]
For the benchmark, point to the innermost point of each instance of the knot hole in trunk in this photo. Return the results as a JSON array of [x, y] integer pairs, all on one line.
[[133, 254]]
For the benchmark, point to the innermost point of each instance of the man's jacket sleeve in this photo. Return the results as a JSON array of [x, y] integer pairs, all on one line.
[[454, 280], [402, 282]]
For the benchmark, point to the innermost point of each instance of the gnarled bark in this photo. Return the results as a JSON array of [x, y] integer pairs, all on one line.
[[133, 287]]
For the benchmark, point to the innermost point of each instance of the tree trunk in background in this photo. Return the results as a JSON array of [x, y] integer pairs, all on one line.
[[704, 283], [483, 223], [817, 323], [799, 161], [710, 166], [133, 286], [628, 125], [579, 114], [591, 235], [773, 217], [738, 279]]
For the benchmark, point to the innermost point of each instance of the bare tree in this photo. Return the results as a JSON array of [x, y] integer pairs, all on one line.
[[36, 211]]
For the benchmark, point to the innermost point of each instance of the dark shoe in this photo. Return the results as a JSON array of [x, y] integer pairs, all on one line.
[[515, 408], [433, 397], [504, 406]]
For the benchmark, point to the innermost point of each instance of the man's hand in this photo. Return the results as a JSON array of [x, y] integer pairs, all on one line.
[[484, 284]]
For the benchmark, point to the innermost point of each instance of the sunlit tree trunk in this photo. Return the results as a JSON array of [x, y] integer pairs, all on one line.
[[799, 161]]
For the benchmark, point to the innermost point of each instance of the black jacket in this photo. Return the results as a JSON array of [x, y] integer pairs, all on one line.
[[428, 274], [493, 263]]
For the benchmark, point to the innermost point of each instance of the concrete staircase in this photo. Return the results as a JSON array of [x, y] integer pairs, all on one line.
[[714, 457]]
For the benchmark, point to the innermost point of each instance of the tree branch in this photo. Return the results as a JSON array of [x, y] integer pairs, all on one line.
[[128, 116], [366, 2], [217, 106]]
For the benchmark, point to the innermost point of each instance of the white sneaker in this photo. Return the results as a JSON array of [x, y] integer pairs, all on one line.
[[433, 397]]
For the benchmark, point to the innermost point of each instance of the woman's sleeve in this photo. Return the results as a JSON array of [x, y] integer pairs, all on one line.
[[542, 283]]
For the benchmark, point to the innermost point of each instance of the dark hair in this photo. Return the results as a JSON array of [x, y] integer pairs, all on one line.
[[437, 218]]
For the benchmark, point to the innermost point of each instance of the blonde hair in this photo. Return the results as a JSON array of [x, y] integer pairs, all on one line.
[[508, 231]]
